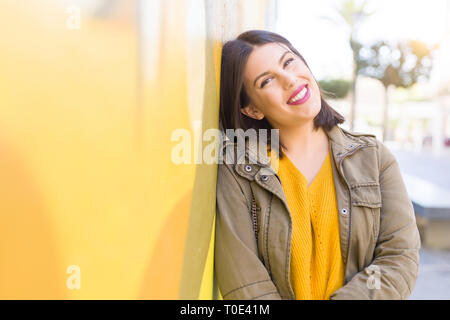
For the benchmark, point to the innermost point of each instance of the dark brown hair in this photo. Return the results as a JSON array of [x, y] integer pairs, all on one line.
[[233, 96]]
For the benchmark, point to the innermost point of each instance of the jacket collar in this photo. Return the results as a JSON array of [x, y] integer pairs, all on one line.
[[249, 155], [342, 141], [260, 170]]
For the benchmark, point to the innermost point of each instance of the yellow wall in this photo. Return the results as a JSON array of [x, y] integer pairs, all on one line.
[[86, 118]]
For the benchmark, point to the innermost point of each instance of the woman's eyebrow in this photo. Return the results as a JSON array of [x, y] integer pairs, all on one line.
[[265, 73]]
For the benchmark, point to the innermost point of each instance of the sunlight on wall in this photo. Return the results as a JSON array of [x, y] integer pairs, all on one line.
[[87, 110]]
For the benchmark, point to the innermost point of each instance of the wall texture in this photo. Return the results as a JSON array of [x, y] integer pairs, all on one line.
[[92, 205]]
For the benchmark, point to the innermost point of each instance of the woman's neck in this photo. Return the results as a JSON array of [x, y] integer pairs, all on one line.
[[303, 140]]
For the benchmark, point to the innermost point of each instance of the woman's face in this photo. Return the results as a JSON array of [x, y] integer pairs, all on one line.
[[280, 86]]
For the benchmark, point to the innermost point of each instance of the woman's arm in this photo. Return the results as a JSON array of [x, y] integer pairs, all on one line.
[[239, 271], [396, 254]]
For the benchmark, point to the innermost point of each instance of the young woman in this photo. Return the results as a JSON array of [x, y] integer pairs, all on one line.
[[334, 220]]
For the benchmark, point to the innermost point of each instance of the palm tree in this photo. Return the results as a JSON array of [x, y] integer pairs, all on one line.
[[400, 64], [351, 14]]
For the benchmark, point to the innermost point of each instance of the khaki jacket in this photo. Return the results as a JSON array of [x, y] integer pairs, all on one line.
[[378, 233]]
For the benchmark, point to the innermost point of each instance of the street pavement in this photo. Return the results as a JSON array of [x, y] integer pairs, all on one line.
[[433, 281], [425, 165]]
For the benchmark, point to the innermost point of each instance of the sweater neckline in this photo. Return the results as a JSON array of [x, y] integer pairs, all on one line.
[[302, 176]]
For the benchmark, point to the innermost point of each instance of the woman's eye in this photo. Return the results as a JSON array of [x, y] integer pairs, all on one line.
[[288, 61], [264, 82]]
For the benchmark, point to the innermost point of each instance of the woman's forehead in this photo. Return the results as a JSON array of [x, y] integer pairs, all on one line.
[[263, 57], [269, 50]]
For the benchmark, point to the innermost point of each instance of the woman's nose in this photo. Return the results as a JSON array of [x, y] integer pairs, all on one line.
[[289, 80]]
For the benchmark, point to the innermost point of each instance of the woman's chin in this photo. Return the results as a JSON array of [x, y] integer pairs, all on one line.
[[307, 111]]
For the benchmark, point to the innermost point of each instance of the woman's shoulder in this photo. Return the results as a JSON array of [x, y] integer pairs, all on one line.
[[348, 138], [358, 134], [384, 154]]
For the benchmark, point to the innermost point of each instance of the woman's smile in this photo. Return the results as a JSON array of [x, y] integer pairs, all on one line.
[[301, 95]]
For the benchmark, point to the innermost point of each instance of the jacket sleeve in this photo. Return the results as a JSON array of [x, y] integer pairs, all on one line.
[[239, 271], [396, 256]]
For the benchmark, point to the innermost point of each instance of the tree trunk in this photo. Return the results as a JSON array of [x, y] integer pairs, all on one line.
[[353, 102], [353, 88], [385, 112]]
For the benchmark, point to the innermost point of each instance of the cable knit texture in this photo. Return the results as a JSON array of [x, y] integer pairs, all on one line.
[[317, 269]]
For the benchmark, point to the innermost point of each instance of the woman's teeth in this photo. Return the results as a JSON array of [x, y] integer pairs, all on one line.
[[300, 95]]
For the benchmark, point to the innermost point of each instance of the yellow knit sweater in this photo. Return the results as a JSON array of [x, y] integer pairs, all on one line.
[[317, 269]]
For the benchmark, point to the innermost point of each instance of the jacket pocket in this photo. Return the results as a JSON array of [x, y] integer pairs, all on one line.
[[366, 202], [366, 194]]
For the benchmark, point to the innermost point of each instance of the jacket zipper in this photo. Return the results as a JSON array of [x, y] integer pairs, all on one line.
[[350, 198], [263, 240], [264, 226]]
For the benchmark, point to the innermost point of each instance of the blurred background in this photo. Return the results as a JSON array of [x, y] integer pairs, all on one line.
[[386, 65], [91, 91]]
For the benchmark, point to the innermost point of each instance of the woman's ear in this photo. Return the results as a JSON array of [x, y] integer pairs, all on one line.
[[250, 111]]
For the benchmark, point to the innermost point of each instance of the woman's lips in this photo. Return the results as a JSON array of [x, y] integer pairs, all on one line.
[[302, 100]]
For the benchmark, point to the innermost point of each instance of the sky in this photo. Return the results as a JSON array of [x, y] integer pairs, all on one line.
[[325, 45]]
